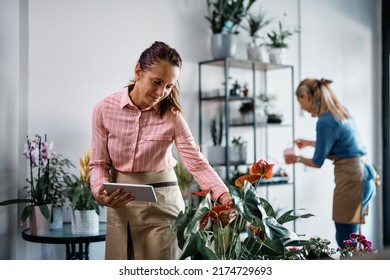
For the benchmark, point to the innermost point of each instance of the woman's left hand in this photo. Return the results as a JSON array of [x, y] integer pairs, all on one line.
[[227, 216], [224, 199]]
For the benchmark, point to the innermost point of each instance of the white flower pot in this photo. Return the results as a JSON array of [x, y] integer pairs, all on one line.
[[255, 53], [277, 55], [85, 222]]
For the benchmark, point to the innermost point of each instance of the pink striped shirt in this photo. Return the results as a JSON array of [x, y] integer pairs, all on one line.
[[133, 140]]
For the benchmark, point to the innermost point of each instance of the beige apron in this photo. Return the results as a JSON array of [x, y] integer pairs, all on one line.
[[348, 193], [142, 230]]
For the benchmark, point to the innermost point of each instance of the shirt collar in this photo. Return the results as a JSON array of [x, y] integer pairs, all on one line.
[[126, 101]]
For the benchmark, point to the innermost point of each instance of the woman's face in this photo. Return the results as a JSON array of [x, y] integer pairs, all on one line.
[[305, 102], [154, 84]]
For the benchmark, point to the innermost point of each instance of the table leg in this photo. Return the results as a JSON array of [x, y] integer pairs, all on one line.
[[81, 254], [87, 250], [68, 254]]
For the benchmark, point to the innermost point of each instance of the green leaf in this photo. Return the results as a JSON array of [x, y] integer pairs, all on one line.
[[190, 247], [15, 201], [204, 246], [193, 226], [268, 208], [274, 230], [287, 217], [273, 248], [246, 202], [45, 211], [26, 213]]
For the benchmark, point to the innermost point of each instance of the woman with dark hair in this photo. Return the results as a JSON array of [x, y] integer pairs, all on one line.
[[132, 136], [337, 139]]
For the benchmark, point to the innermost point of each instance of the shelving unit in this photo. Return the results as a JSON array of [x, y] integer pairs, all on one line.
[[214, 94]]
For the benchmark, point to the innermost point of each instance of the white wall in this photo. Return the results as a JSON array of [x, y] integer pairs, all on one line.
[[82, 51]]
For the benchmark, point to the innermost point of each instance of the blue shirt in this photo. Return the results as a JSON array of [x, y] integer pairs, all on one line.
[[340, 139]]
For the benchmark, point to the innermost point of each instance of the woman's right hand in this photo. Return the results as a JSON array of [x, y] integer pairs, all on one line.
[[302, 143], [117, 199]]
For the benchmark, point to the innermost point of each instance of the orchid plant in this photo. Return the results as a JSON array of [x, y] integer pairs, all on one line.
[[256, 232], [45, 184]]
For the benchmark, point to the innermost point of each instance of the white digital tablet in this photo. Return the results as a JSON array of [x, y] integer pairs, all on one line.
[[140, 192]]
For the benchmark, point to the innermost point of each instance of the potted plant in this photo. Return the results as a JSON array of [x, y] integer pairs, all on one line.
[[264, 238], [85, 209], [238, 150], [225, 17], [277, 43], [246, 111], [184, 178], [45, 184], [254, 24], [216, 152]]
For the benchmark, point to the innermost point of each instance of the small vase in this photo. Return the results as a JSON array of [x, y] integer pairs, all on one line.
[[57, 218], [39, 225], [85, 222]]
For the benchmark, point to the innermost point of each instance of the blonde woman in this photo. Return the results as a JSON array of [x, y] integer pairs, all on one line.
[[337, 139]]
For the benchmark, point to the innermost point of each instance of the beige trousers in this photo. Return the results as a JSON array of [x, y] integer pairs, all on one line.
[[142, 230]]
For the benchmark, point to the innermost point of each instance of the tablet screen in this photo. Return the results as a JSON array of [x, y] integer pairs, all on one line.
[[140, 192]]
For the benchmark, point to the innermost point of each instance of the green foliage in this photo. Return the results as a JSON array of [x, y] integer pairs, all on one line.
[[45, 183], [59, 169], [79, 188], [227, 13], [184, 177], [254, 24], [80, 195], [238, 141], [266, 236], [216, 129], [278, 38]]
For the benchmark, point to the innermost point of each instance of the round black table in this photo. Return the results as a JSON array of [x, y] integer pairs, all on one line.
[[65, 236]]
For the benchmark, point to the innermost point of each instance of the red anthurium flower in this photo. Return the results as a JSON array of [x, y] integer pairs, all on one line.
[[217, 210], [262, 168], [220, 213], [249, 177], [258, 231], [204, 221], [201, 193]]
